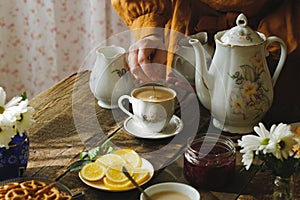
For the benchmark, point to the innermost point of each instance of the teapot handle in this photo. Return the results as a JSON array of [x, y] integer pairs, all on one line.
[[283, 54]]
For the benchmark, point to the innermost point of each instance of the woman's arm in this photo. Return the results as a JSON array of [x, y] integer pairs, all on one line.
[[143, 16]]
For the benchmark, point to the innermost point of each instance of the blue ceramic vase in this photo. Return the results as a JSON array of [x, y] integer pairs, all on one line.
[[13, 161]]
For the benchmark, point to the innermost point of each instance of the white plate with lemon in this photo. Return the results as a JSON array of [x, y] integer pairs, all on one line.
[[106, 172]]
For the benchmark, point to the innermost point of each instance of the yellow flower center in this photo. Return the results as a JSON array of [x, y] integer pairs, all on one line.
[[265, 141], [282, 144], [1, 109]]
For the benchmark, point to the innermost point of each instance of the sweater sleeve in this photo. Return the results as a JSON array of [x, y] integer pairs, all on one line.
[[144, 16]]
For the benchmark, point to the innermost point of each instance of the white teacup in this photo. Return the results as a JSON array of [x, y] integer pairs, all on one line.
[[171, 190], [153, 107]]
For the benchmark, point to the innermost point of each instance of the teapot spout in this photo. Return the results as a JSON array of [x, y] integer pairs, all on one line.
[[203, 80]]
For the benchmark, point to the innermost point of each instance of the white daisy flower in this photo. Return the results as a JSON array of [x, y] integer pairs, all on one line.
[[249, 144], [253, 142], [13, 102], [11, 113], [25, 121], [6, 134], [6, 119], [2, 97], [264, 135], [282, 141], [15, 117], [7, 110], [247, 159], [274, 147]]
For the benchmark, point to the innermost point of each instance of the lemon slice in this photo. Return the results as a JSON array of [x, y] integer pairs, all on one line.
[[110, 160], [115, 173], [92, 172], [140, 175], [115, 185], [130, 156]]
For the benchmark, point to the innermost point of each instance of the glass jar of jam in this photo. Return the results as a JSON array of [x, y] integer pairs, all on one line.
[[209, 161]]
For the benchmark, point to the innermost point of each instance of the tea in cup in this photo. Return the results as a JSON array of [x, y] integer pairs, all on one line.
[[153, 107]]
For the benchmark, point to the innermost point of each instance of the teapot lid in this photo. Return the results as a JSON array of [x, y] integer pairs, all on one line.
[[241, 34]]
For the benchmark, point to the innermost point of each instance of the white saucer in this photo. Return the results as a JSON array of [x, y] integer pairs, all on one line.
[[103, 104], [173, 128]]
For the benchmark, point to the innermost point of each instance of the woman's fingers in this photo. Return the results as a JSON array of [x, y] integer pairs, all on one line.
[[135, 67], [152, 69], [147, 59]]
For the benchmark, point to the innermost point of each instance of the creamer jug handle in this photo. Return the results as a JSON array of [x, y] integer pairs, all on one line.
[[283, 54]]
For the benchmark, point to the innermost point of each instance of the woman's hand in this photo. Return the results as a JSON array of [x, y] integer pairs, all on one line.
[[147, 59]]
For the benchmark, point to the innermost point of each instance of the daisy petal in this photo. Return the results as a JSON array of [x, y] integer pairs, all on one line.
[[2, 97]]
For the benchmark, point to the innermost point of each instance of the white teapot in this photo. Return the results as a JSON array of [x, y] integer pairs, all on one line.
[[237, 88]]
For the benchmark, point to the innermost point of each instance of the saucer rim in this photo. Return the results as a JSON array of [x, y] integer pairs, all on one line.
[[106, 105], [179, 127]]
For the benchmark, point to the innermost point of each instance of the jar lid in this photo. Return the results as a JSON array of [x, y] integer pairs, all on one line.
[[241, 34]]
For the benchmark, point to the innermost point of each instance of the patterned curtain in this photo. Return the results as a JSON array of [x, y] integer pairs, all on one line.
[[44, 41]]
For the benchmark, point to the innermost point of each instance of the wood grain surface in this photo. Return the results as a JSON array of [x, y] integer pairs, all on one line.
[[69, 121]]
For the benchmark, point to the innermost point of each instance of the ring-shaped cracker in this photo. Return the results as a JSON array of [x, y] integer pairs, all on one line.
[[16, 194], [32, 185]]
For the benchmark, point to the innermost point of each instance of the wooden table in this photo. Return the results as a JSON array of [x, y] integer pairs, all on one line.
[[69, 121]]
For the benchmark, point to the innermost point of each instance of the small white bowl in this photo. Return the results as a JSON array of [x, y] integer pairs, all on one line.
[[185, 189]]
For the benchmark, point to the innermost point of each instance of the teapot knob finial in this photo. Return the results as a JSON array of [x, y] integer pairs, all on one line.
[[241, 20]]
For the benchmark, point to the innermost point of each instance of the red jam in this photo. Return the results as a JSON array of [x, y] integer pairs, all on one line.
[[209, 162]]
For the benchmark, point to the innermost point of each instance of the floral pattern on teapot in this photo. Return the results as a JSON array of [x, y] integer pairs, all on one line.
[[120, 72], [249, 93]]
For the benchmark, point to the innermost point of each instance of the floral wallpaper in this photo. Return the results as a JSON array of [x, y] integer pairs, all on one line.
[[44, 41]]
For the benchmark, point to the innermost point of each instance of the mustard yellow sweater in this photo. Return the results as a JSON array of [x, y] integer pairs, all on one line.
[[271, 17]]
